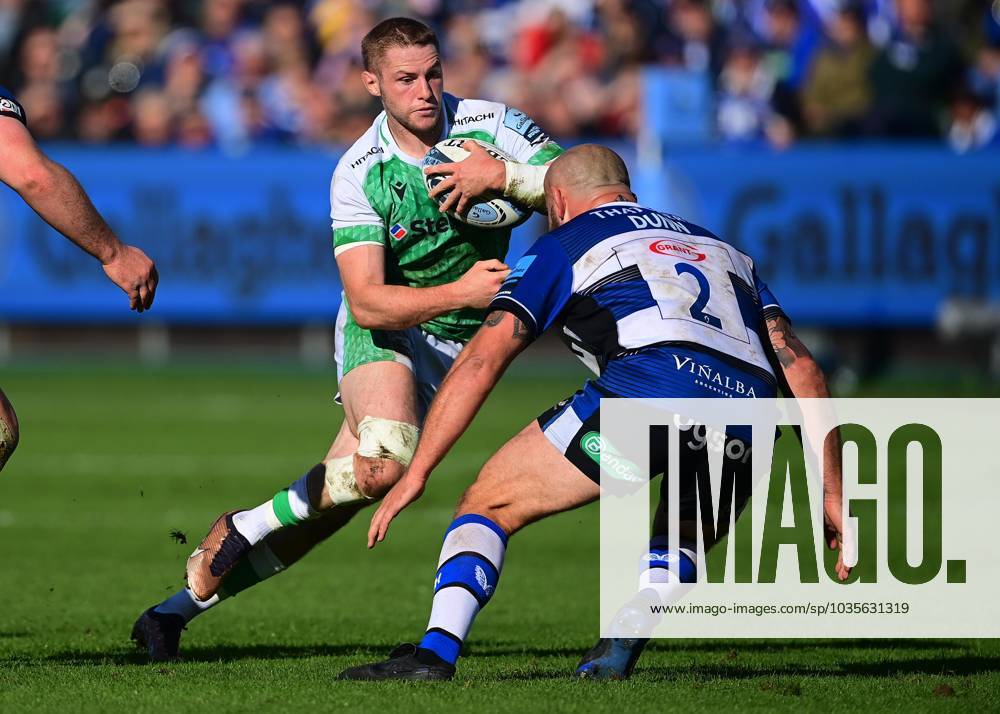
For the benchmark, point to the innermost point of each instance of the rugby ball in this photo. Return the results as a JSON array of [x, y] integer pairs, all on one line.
[[490, 213]]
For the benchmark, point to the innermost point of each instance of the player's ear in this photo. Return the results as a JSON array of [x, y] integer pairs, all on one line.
[[556, 201], [370, 80]]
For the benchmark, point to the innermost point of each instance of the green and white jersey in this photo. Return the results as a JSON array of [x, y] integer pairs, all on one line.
[[378, 197]]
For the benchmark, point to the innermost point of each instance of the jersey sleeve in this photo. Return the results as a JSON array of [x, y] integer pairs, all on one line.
[[538, 287], [9, 107], [770, 308], [523, 139], [354, 220]]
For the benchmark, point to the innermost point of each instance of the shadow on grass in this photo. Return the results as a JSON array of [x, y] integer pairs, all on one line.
[[943, 666], [954, 661], [728, 646], [950, 666], [126, 655]]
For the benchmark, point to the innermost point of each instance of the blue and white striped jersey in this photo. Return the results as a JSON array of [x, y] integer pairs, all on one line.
[[653, 304]]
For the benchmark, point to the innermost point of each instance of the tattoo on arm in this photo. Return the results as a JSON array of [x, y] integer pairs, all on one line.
[[521, 331], [494, 318], [787, 347]]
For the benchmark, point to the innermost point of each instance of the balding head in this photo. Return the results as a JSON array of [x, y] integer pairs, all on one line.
[[582, 178]]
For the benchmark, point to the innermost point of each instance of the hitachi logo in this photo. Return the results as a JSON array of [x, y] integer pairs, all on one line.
[[712, 378], [473, 118], [374, 150]]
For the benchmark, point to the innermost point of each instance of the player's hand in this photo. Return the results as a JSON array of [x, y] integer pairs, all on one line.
[[407, 490], [133, 271], [481, 282], [833, 532], [476, 175]]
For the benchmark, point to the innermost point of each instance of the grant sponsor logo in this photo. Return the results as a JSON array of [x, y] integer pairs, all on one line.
[[677, 249]]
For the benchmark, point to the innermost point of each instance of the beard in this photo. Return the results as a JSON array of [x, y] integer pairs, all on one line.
[[412, 122]]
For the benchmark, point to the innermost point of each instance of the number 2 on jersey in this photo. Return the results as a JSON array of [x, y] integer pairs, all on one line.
[[705, 292]]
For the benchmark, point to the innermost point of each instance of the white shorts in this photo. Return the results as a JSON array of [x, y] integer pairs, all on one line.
[[428, 357]]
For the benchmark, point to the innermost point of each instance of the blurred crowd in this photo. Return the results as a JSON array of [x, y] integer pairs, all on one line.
[[229, 73]]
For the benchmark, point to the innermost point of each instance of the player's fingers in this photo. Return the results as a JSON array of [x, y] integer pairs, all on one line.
[[492, 264], [134, 302], [443, 186], [449, 202], [473, 147], [440, 170], [383, 528], [373, 529], [144, 296]]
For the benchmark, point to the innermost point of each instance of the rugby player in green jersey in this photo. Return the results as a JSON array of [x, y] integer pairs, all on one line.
[[416, 282]]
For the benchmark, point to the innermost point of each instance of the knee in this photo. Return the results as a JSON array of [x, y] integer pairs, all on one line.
[[375, 476], [10, 433], [385, 447], [484, 499]]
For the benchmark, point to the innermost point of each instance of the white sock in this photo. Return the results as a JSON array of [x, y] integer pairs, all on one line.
[[257, 523], [289, 507]]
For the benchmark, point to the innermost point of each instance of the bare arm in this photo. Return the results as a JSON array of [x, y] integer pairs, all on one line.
[[466, 386], [806, 380], [59, 199], [804, 376], [376, 305], [463, 391], [53, 193]]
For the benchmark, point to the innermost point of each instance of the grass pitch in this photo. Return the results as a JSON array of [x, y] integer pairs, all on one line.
[[113, 459]]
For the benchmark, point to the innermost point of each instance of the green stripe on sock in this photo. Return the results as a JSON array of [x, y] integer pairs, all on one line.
[[282, 509]]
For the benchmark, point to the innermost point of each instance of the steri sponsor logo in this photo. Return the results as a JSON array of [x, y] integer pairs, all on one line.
[[397, 231], [677, 249]]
